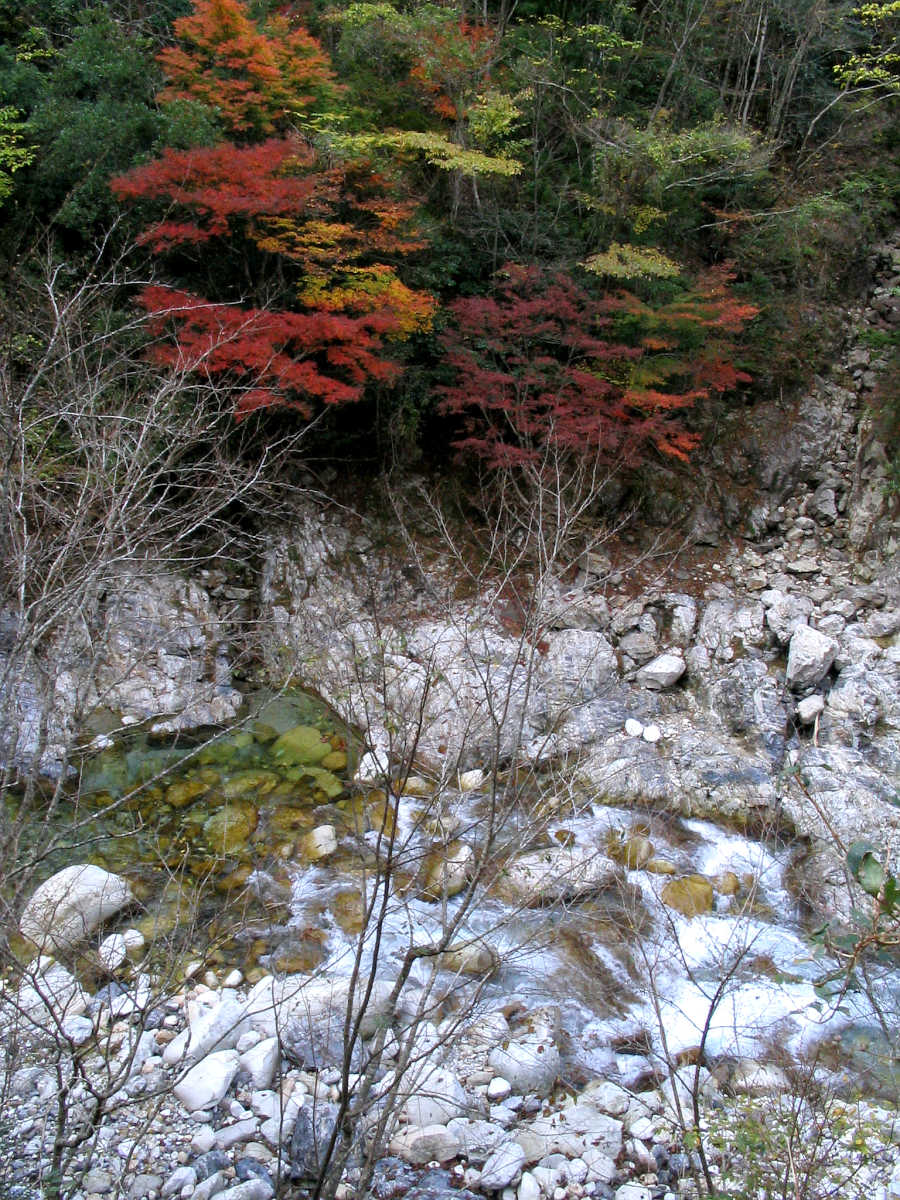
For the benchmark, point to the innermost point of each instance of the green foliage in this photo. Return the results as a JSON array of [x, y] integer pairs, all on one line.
[[632, 262], [14, 154], [878, 65], [89, 112]]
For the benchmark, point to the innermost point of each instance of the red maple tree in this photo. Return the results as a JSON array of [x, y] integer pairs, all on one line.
[[540, 362], [323, 240]]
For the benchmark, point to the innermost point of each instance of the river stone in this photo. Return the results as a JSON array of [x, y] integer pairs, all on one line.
[[207, 1083], [229, 828], [217, 1029], [312, 1132], [556, 873], [319, 843], [529, 1188], [810, 656], [427, 1143], [447, 871], [112, 952], [212, 1185], [477, 1139], [637, 851], [244, 782], [529, 1064], [311, 1003], [691, 895], [751, 1078], [661, 672], [251, 1189], [181, 793], [572, 1131], [600, 1167], [260, 1062], [435, 1096], [473, 958], [607, 1097], [302, 746], [503, 1167], [71, 904], [471, 781], [180, 1177], [49, 995], [633, 1191]]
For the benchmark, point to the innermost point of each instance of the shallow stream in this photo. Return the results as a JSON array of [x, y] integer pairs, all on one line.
[[699, 941]]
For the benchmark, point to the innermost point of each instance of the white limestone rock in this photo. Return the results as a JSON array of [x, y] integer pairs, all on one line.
[[208, 1081], [219, 1028], [273, 1003], [477, 1139], [530, 1063], [661, 672], [48, 996], [435, 1097], [503, 1167], [70, 905], [425, 1143], [260, 1062], [556, 873], [810, 656]]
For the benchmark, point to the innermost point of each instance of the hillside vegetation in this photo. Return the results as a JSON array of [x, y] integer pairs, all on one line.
[[437, 228]]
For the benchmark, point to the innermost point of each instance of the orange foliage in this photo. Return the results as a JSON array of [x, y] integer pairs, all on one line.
[[254, 79], [454, 61]]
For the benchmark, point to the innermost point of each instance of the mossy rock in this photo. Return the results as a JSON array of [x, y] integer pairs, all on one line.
[[638, 850], [336, 760], [691, 895], [181, 793], [229, 828], [264, 733], [727, 883], [288, 819], [319, 843], [303, 745], [325, 781], [660, 866], [234, 880], [347, 910], [245, 782], [447, 871], [218, 753]]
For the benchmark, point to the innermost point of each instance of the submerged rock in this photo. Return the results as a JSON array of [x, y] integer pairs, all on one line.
[[690, 895]]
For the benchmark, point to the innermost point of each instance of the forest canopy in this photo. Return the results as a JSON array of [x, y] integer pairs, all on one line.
[[491, 229]]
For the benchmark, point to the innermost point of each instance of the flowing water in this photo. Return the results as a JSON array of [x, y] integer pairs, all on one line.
[[699, 943]]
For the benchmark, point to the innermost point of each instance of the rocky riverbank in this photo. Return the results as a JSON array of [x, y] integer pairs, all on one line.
[[215, 1089]]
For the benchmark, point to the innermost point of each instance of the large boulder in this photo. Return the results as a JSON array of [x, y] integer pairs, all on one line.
[[810, 656], [554, 874], [70, 905]]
